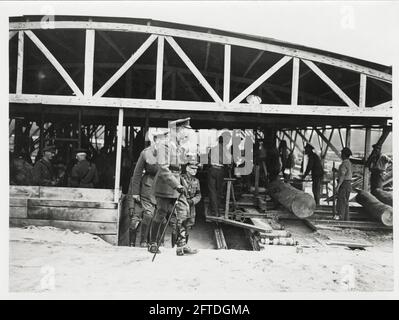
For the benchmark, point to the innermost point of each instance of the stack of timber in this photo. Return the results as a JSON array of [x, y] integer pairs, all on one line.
[[375, 208], [301, 204], [78, 209], [273, 234]]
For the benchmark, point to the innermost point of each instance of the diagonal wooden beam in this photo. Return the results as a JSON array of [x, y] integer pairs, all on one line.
[[135, 56], [384, 105], [328, 143], [54, 62], [193, 69], [260, 54], [341, 138], [11, 34], [112, 44], [330, 83], [188, 86], [262, 79], [292, 141]]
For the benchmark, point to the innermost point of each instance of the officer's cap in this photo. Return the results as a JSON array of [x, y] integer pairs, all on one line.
[[180, 123], [81, 150]]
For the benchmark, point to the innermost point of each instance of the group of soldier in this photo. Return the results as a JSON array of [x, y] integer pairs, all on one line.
[[164, 189], [83, 173]]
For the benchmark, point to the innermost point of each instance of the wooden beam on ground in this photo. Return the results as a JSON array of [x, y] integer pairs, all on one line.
[[330, 83], [54, 62], [159, 73], [362, 90], [295, 82], [236, 223], [193, 69], [89, 63], [118, 156], [117, 75], [226, 80], [262, 79], [20, 62]]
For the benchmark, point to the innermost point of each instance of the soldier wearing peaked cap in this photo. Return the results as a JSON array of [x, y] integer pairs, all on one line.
[[168, 186], [43, 170], [140, 195], [84, 174]]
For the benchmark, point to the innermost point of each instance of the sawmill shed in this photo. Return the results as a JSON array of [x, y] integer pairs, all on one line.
[[80, 79]]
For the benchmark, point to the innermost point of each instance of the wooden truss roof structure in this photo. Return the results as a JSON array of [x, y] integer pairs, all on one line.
[[164, 70]]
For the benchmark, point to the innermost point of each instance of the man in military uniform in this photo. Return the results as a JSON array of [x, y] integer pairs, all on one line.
[[43, 171], [192, 185], [84, 174], [168, 187], [140, 195]]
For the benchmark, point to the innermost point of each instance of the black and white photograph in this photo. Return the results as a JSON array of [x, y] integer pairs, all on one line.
[[199, 150]]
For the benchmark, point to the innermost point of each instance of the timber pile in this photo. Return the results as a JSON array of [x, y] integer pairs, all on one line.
[[375, 208], [383, 196], [301, 204], [275, 234]]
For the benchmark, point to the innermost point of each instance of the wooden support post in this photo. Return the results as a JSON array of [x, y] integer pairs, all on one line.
[[367, 151], [227, 65], [295, 82], [118, 155], [146, 127], [348, 137], [159, 72], [340, 137], [89, 63], [362, 91], [227, 208], [20, 62]]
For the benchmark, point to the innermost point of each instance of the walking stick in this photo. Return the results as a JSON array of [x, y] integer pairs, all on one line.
[[166, 226]]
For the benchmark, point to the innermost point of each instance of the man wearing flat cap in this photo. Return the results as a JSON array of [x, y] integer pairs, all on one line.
[[84, 174], [43, 170], [314, 165], [140, 194], [377, 164], [168, 187]]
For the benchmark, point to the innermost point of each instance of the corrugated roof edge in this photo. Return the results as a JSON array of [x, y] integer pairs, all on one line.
[[156, 23]]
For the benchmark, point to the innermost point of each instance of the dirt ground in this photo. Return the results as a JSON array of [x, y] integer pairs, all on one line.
[[45, 259]]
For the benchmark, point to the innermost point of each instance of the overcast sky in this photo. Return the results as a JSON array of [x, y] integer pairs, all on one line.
[[366, 30]]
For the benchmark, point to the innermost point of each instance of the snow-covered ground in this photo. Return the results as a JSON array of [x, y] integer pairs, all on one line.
[[44, 259]]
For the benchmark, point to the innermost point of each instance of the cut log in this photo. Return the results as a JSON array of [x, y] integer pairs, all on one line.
[[375, 208], [383, 196], [296, 201]]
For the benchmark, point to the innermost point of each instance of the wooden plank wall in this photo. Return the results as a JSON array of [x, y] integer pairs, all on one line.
[[86, 210]]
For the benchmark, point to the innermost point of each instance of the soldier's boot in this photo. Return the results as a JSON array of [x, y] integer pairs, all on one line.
[[153, 236], [132, 237], [144, 233], [182, 247]]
